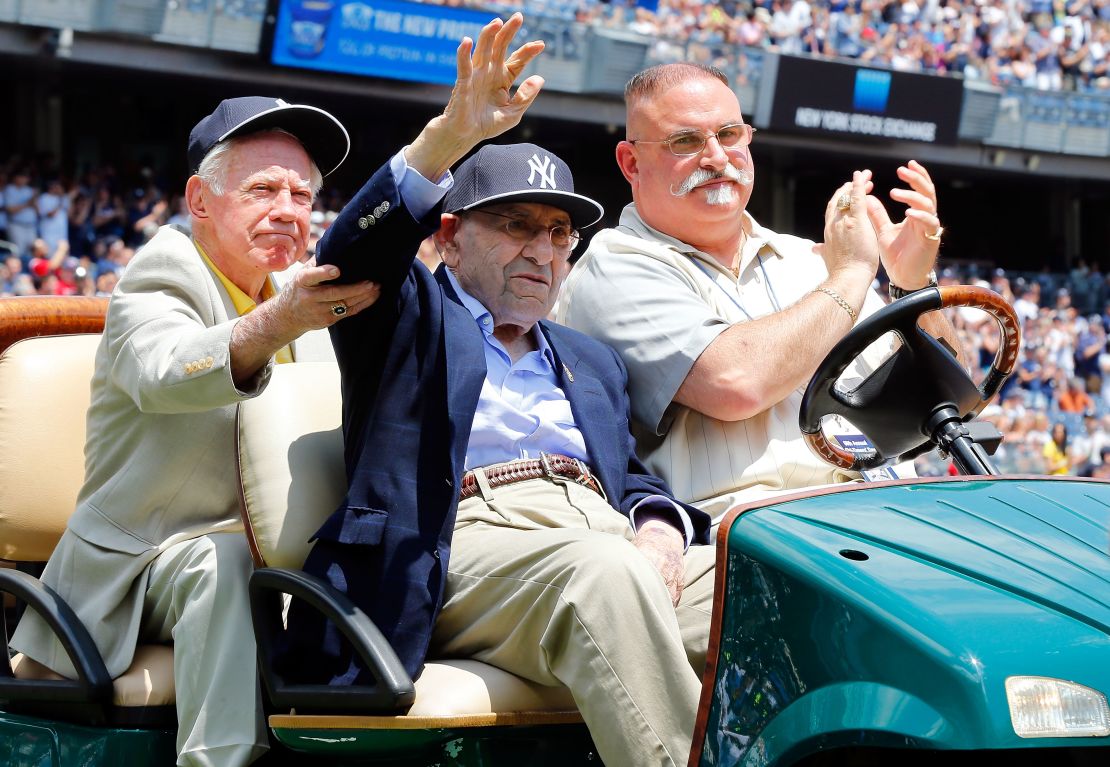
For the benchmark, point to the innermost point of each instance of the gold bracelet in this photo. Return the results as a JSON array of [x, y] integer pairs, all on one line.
[[839, 299]]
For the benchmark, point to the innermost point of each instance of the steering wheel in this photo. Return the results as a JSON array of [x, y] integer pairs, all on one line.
[[893, 406]]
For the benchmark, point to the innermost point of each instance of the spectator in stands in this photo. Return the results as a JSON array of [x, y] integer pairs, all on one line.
[[107, 215], [139, 558], [3, 207], [1074, 399], [53, 214], [477, 382], [1056, 451], [81, 235], [721, 321], [1027, 307], [105, 283], [7, 279], [1087, 446], [1088, 346], [19, 202]]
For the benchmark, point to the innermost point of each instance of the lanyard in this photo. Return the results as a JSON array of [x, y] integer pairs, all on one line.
[[766, 282]]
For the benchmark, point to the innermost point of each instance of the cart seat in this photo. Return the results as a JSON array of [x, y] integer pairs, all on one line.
[[292, 477], [147, 682], [44, 395]]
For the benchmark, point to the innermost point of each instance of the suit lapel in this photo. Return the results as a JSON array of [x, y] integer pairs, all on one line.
[[466, 362], [592, 413]]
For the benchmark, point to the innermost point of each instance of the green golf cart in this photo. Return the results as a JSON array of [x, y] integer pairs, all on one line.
[[960, 620]]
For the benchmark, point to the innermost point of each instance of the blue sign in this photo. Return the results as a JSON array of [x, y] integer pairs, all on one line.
[[385, 38], [872, 90]]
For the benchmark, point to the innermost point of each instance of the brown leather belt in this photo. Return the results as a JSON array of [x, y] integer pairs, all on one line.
[[548, 465]]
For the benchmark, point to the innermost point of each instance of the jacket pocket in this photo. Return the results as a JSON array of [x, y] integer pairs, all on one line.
[[94, 526], [354, 524]]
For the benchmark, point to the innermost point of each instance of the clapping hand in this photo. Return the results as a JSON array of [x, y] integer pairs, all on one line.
[[908, 249]]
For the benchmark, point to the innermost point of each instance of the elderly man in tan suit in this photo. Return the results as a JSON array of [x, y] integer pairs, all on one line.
[[194, 326]]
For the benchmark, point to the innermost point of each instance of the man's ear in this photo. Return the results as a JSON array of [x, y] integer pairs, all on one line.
[[626, 160], [195, 194], [445, 239]]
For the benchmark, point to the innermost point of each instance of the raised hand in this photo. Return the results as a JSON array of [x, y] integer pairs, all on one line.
[[908, 249], [482, 104]]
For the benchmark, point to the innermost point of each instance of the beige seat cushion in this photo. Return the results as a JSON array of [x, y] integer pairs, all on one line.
[[291, 471], [148, 681], [470, 687], [44, 396], [457, 693]]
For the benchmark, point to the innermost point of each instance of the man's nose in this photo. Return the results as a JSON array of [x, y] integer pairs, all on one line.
[[540, 249], [713, 155], [283, 208]]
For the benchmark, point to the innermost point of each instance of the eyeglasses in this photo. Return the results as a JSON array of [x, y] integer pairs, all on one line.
[[687, 142], [561, 236]]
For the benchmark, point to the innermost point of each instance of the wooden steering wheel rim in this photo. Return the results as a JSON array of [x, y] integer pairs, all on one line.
[[1005, 359]]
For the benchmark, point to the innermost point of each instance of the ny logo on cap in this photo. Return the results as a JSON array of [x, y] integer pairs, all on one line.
[[546, 170]]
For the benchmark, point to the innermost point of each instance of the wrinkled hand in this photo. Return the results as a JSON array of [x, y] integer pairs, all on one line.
[[850, 241], [482, 105], [906, 253], [308, 302], [663, 546]]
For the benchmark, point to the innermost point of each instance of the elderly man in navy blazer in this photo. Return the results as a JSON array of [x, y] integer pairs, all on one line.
[[496, 509]]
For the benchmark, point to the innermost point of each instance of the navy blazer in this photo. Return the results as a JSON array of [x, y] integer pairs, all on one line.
[[412, 370]]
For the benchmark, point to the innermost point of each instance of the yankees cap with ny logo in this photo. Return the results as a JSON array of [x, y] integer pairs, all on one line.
[[502, 173]]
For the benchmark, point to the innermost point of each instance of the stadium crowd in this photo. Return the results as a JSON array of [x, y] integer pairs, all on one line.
[[1045, 44], [74, 237]]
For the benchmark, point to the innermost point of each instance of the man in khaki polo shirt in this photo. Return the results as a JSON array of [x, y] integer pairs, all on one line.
[[721, 321]]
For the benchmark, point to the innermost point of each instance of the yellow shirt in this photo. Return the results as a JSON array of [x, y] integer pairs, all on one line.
[[244, 303]]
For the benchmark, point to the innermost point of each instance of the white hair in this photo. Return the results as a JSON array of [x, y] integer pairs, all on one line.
[[213, 168]]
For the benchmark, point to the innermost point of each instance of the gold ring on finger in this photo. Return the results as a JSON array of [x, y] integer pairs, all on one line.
[[844, 202], [339, 309]]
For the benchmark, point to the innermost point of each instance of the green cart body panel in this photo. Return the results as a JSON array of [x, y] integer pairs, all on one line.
[[27, 741], [34, 742], [545, 746], [890, 616]]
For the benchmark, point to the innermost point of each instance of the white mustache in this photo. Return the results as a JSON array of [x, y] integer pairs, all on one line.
[[702, 175]]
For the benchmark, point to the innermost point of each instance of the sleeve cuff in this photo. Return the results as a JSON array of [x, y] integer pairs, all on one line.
[[663, 508], [418, 193]]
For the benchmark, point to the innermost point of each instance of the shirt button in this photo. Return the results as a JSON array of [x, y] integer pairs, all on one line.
[[485, 320]]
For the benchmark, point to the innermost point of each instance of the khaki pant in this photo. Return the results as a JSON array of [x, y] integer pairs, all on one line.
[[544, 582], [197, 597]]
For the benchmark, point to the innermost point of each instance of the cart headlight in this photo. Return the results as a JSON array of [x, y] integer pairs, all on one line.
[[1041, 707]]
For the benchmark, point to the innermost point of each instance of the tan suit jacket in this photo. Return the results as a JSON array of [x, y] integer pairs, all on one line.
[[159, 451]]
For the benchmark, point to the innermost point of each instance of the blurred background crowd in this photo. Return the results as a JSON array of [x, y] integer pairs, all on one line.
[[1045, 44], [72, 235]]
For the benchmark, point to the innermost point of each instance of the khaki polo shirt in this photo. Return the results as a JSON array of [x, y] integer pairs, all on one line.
[[660, 303]]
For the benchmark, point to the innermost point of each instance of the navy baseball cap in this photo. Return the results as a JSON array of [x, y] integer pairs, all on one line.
[[323, 137], [500, 173]]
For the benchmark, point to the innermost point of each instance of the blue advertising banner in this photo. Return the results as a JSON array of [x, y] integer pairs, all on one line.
[[385, 38]]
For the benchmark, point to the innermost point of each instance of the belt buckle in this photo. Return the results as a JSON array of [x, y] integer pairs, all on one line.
[[584, 476], [548, 469]]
